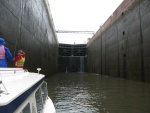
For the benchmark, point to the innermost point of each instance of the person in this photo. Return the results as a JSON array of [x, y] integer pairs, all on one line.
[[19, 59], [5, 54]]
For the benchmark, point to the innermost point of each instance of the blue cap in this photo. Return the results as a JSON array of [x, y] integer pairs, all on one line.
[[2, 41]]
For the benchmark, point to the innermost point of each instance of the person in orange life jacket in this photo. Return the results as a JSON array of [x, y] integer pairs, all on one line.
[[5, 54], [19, 59]]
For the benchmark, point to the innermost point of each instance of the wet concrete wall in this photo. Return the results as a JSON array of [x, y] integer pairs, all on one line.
[[27, 25], [121, 47]]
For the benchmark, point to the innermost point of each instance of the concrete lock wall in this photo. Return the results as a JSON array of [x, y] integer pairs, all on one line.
[[121, 47], [27, 25]]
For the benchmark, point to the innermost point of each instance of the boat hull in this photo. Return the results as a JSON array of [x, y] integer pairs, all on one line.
[[21, 90]]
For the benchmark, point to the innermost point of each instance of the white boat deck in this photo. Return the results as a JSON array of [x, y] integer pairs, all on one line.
[[16, 82]]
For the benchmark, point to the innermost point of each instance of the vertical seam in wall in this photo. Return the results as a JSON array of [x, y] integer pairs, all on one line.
[[118, 52], [101, 55], [105, 54], [20, 23], [142, 76]]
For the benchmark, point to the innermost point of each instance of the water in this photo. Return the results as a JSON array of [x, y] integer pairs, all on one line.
[[90, 93]]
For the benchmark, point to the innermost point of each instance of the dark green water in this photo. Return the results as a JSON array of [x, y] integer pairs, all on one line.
[[90, 93]]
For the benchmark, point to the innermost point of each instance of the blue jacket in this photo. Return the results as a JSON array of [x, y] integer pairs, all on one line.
[[8, 55]]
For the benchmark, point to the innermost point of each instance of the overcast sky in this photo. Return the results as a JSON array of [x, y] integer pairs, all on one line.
[[80, 15]]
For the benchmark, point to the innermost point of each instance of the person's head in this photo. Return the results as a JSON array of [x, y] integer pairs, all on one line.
[[20, 52], [2, 41]]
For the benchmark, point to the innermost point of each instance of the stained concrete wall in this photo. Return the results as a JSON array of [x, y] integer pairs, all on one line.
[[121, 47], [27, 25]]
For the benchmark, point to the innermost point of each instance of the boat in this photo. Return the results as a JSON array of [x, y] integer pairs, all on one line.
[[24, 92]]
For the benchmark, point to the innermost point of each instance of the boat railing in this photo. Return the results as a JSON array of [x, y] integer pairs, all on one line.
[[2, 84], [12, 70]]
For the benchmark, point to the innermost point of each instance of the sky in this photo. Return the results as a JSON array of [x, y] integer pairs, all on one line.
[[80, 15]]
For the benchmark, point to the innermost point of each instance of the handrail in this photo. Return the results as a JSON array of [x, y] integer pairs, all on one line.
[[14, 70], [1, 91], [11, 69]]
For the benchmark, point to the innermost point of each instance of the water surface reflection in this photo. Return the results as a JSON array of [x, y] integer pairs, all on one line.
[[90, 93]]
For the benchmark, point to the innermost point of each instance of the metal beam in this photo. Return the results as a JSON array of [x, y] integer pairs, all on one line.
[[81, 32]]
